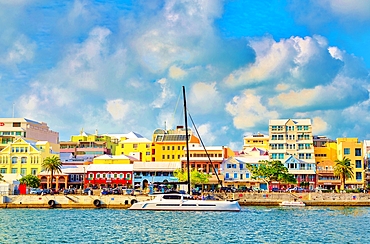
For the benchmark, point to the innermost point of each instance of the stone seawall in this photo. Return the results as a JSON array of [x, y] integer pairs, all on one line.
[[125, 201]]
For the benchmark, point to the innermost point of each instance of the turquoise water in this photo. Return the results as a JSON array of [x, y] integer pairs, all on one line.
[[251, 225]]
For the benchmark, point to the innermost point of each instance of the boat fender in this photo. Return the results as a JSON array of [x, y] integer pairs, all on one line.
[[133, 201], [97, 203], [51, 203], [126, 202]]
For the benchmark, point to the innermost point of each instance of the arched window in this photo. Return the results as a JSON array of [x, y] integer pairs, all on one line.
[[24, 160], [14, 160]]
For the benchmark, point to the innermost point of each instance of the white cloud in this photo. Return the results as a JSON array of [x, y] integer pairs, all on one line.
[[176, 72], [319, 126], [118, 109], [204, 98], [208, 136], [359, 9], [166, 94], [276, 60], [21, 50], [248, 111], [343, 90]]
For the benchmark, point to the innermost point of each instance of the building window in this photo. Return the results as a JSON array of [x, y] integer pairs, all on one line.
[[23, 171], [3, 171], [240, 166], [134, 146], [228, 166], [14, 170], [168, 156], [281, 155], [16, 124], [147, 153], [308, 156], [347, 151], [91, 176], [163, 148], [97, 176], [168, 148], [247, 175], [235, 175], [234, 166], [163, 156], [104, 176], [358, 176], [227, 176], [23, 160], [357, 151], [128, 176], [301, 156], [34, 171], [305, 127], [122, 145], [120, 176], [358, 164], [147, 146], [299, 127], [14, 160]]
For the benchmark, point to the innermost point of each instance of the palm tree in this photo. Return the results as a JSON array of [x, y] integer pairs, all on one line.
[[52, 164], [344, 170]]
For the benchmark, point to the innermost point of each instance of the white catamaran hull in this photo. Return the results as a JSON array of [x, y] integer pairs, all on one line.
[[161, 204]]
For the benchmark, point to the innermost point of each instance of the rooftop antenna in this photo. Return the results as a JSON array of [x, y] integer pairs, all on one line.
[[13, 109]]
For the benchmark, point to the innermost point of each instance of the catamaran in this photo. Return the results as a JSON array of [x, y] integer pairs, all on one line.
[[176, 201]]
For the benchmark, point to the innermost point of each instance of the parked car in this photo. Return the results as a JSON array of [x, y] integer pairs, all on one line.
[[296, 189], [35, 191], [87, 190]]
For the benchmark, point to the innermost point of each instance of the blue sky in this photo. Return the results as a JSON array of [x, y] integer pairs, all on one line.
[[118, 66]]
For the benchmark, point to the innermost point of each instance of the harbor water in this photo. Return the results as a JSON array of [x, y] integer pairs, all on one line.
[[251, 225]]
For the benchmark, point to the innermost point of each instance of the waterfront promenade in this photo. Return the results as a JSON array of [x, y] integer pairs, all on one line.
[[125, 201]]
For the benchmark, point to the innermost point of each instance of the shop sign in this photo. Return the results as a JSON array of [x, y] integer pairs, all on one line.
[[2, 123]]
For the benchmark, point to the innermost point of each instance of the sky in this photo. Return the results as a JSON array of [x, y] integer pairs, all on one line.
[[118, 66]]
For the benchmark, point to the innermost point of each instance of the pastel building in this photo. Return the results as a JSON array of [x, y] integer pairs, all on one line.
[[12, 128], [169, 145], [146, 173], [291, 142], [256, 140], [109, 175], [88, 144], [367, 162], [235, 170], [325, 156], [25, 156], [208, 160], [136, 146], [353, 149], [113, 159]]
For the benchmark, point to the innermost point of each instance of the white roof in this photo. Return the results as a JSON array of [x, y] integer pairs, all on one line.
[[136, 140], [156, 166], [209, 148], [284, 121], [9, 178], [110, 167], [106, 156], [252, 159]]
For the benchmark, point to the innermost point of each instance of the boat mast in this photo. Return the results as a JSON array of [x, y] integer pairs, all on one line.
[[186, 138]]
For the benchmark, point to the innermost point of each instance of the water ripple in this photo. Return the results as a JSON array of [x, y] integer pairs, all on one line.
[[251, 225]]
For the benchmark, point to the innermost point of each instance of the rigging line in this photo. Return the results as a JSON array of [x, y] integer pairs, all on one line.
[[201, 141]]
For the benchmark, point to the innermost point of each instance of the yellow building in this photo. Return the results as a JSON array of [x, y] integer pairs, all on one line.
[[112, 159], [256, 140], [24, 156], [89, 144], [169, 145], [139, 148], [352, 149], [325, 155]]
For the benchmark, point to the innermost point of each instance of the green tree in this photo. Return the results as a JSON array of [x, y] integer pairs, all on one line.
[[196, 177], [344, 170], [31, 181], [268, 171], [52, 164]]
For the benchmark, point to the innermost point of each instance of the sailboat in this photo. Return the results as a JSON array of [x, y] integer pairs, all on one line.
[[176, 201]]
